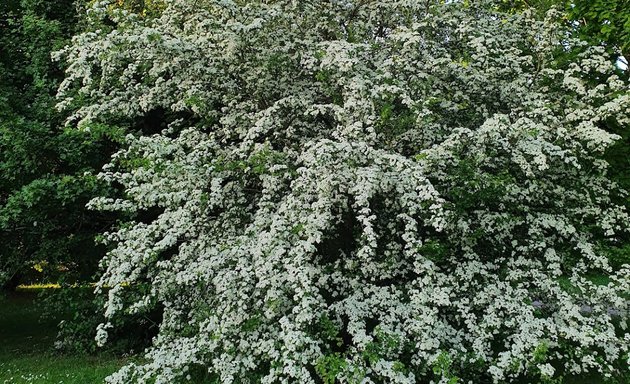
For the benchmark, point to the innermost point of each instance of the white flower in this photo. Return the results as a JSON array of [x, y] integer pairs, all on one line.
[[334, 173]]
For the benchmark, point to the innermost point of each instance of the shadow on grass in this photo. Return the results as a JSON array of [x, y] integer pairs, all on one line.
[[27, 353]]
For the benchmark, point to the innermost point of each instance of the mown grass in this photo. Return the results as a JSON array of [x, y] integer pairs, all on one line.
[[27, 355]]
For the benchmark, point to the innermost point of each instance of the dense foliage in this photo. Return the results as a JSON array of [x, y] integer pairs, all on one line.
[[383, 191], [46, 172], [603, 21]]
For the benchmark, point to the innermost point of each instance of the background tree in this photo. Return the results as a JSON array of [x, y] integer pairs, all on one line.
[[603, 22], [46, 171]]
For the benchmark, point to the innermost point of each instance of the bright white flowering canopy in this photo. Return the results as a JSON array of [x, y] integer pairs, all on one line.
[[361, 191]]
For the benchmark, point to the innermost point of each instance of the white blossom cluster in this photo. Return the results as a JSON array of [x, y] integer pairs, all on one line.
[[363, 191]]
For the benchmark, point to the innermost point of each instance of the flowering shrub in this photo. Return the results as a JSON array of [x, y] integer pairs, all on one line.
[[377, 191]]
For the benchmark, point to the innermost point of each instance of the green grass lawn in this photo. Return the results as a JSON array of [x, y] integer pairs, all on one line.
[[27, 354]]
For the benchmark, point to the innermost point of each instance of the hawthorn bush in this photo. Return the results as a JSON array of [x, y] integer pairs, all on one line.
[[375, 191]]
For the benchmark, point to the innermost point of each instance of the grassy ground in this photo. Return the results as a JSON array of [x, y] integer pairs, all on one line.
[[27, 354]]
